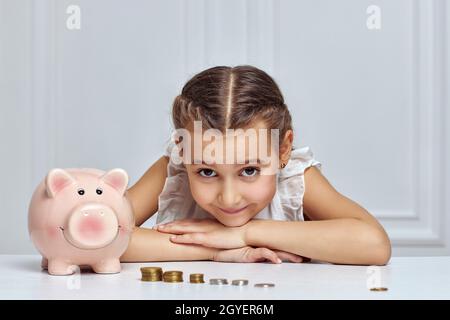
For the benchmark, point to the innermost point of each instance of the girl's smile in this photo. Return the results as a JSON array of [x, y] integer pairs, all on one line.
[[233, 211]]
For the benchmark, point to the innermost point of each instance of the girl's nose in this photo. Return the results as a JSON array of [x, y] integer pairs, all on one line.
[[230, 196]]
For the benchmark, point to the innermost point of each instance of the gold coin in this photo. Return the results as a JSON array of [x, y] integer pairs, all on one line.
[[173, 276], [173, 273], [151, 274], [150, 279], [379, 289], [151, 269], [169, 277], [173, 280], [196, 275], [196, 278]]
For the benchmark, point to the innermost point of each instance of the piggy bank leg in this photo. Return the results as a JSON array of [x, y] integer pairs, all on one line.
[[61, 268], [44, 263], [107, 266]]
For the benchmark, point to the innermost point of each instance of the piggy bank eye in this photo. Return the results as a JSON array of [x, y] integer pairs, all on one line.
[[80, 192], [99, 191]]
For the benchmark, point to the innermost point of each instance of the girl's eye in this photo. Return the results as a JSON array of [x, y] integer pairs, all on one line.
[[80, 192], [99, 191], [208, 173], [248, 172], [251, 171]]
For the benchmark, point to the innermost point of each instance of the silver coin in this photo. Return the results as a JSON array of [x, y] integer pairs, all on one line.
[[218, 281], [264, 285], [239, 282]]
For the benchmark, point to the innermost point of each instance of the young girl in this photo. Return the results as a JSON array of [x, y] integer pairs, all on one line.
[[232, 211]]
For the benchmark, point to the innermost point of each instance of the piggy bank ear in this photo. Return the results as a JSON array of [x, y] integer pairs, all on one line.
[[116, 178], [56, 180]]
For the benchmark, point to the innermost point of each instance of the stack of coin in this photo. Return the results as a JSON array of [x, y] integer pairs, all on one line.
[[173, 276], [151, 274], [218, 281], [239, 282], [264, 285], [196, 278]]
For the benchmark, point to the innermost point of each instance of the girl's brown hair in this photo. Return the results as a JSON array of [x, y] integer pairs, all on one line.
[[231, 98]]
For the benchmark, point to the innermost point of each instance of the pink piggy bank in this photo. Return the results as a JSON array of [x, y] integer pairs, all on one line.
[[81, 217]]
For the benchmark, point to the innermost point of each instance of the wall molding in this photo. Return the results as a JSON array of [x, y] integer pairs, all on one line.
[[424, 225], [428, 26], [43, 89]]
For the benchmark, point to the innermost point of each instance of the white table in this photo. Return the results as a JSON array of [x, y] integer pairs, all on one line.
[[406, 277]]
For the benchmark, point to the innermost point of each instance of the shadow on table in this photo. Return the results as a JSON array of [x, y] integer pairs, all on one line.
[[34, 265]]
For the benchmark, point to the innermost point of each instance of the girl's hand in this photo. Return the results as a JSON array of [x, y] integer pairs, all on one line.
[[205, 232], [249, 254]]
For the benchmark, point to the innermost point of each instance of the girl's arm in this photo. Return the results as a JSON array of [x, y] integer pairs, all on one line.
[[151, 245], [341, 231], [144, 194]]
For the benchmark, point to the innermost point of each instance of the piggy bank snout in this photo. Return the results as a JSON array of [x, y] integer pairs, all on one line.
[[91, 226]]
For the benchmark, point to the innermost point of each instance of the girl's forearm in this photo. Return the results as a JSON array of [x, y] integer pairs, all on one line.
[[151, 245], [344, 241]]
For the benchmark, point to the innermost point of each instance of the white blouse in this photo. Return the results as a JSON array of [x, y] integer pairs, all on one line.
[[176, 202]]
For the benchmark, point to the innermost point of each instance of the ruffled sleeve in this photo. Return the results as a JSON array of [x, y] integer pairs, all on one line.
[[291, 182], [175, 201], [168, 147]]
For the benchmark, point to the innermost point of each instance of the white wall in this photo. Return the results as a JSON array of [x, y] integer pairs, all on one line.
[[372, 104]]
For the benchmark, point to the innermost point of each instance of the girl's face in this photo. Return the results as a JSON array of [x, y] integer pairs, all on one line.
[[233, 193]]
